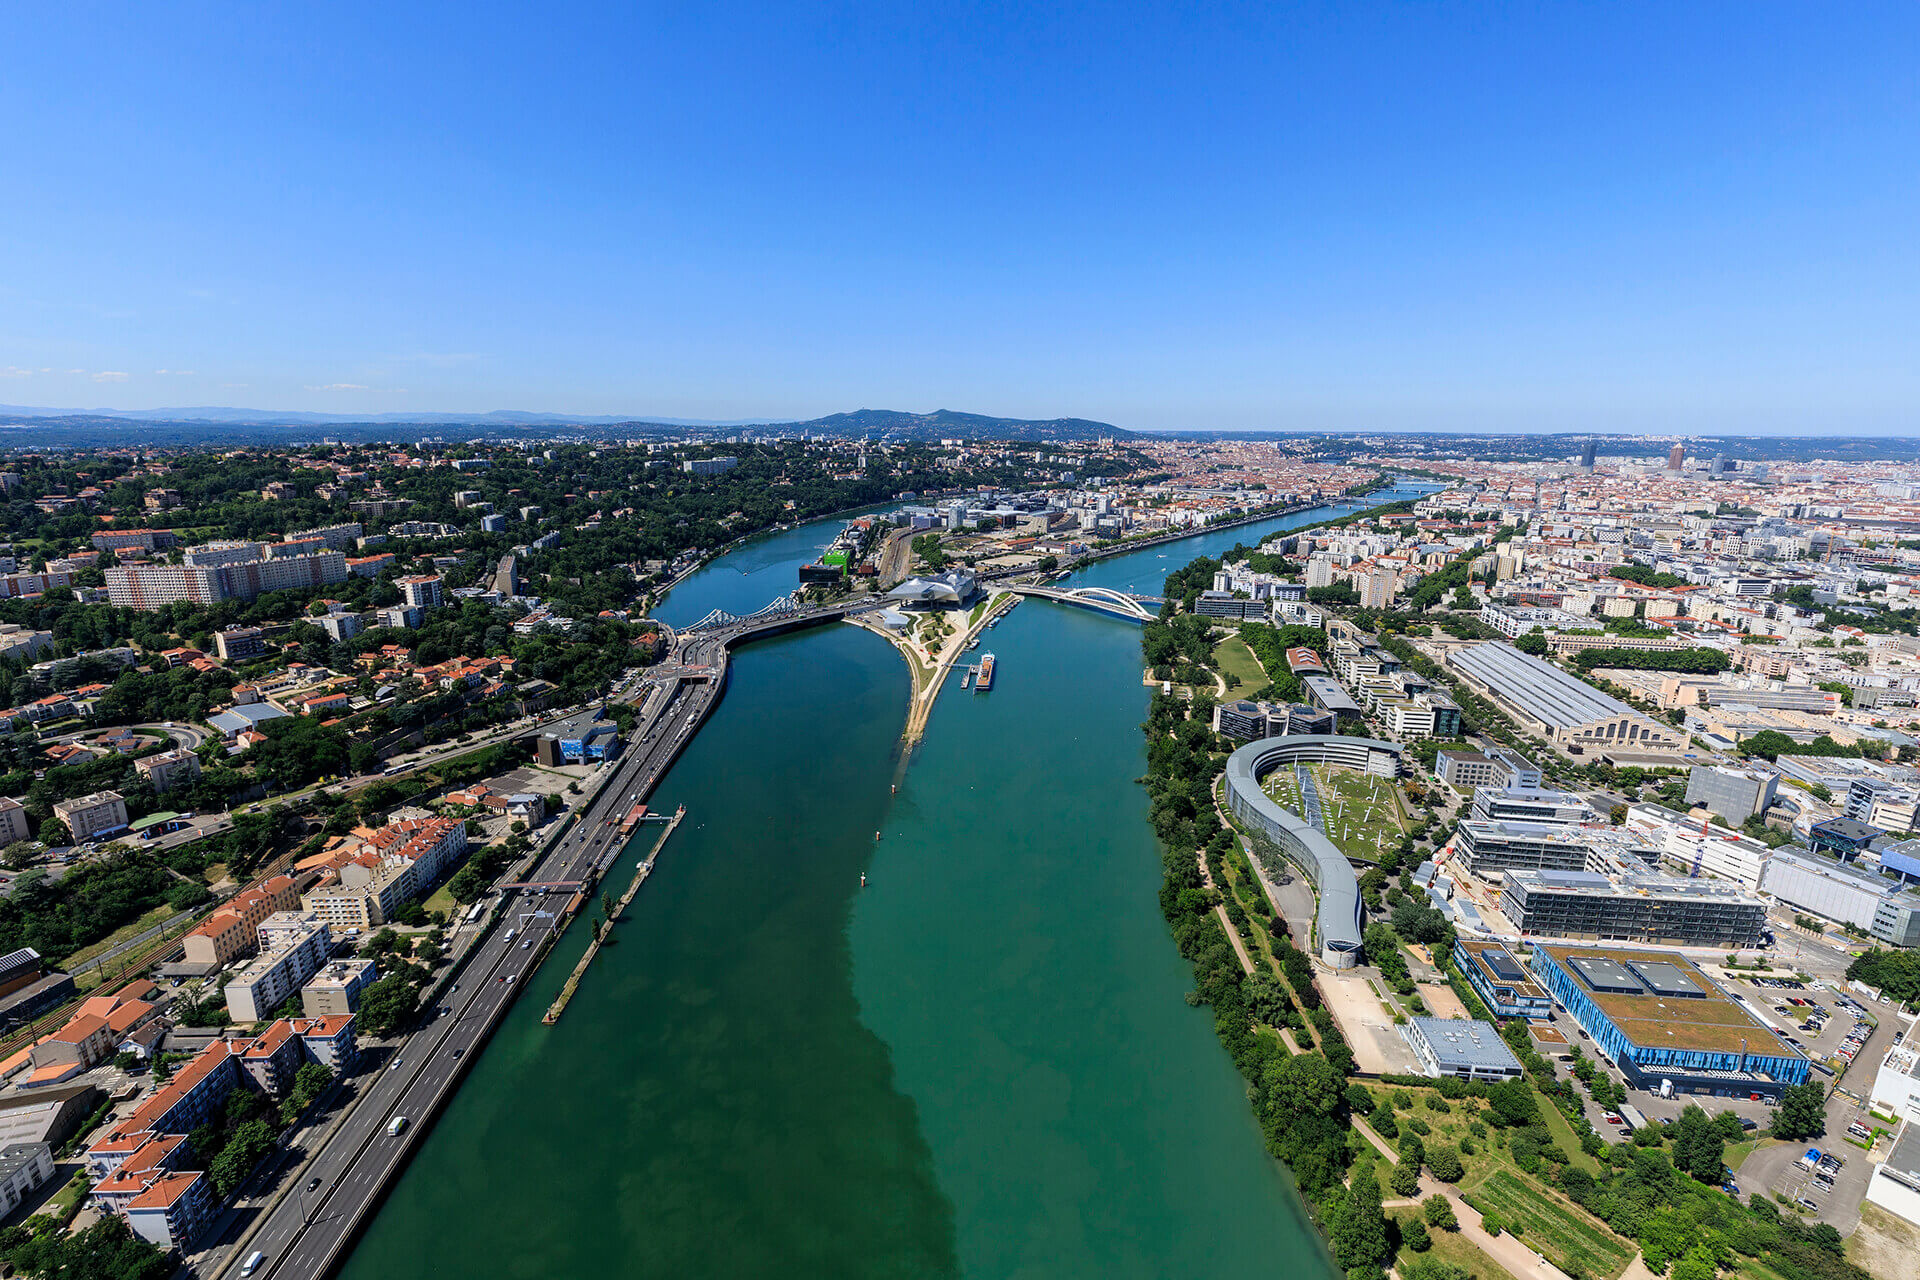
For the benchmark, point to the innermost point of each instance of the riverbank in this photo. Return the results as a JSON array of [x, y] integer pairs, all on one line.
[[929, 669]]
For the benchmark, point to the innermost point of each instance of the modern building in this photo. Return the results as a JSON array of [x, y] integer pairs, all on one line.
[[947, 590], [709, 466], [1714, 851], [1488, 849], [1733, 794], [24, 1166], [89, 817], [1663, 910], [1465, 770], [1846, 893], [1896, 1086], [1338, 922], [1662, 1021], [1325, 693], [1531, 804], [1895, 1185], [1566, 711], [1844, 838], [1245, 720], [1462, 1049], [1224, 604], [580, 739], [1500, 980]]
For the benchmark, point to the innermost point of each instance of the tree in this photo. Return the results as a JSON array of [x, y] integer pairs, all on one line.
[[386, 1006], [1406, 1179], [1359, 1228], [1359, 1100], [1444, 1163], [1415, 1236], [243, 1150], [1438, 1211], [1533, 642], [1802, 1112], [107, 1250], [468, 884]]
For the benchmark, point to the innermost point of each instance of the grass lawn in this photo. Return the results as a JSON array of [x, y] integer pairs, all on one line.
[[1737, 1152], [1236, 662], [158, 915], [1564, 1234], [68, 1197], [1563, 1135], [1452, 1247], [1363, 815]]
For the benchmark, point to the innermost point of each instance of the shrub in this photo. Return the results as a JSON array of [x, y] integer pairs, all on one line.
[[1438, 1212], [1491, 1223]]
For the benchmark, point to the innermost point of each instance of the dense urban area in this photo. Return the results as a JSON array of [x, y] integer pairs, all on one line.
[[1543, 846]]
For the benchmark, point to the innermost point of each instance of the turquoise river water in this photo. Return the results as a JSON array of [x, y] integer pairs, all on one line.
[[979, 1065]]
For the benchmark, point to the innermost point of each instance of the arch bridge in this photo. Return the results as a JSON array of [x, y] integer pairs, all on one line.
[[1119, 604]]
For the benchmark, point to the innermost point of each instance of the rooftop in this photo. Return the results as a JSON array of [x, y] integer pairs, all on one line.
[[1540, 689], [1647, 994], [1458, 1042]]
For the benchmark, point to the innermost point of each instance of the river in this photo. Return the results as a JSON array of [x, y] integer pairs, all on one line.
[[981, 1064]]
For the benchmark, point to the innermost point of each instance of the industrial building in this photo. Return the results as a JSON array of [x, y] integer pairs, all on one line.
[[1501, 982], [1663, 1022], [1565, 710], [1665, 910], [1462, 1049]]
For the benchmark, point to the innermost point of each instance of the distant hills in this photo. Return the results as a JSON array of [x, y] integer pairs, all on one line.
[[226, 425]]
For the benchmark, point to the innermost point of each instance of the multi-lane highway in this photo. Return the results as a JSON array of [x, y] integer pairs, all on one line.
[[304, 1235]]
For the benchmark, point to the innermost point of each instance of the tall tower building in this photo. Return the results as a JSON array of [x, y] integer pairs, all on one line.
[[1676, 456], [1587, 453]]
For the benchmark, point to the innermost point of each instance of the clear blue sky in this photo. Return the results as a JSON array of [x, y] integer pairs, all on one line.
[[1631, 217]]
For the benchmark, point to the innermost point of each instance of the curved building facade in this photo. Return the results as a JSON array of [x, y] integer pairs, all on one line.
[[1340, 923]]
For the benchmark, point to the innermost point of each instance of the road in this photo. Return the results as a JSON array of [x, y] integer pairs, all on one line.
[[305, 1233]]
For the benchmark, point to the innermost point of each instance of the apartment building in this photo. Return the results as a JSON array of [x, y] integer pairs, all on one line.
[[156, 586], [382, 871], [236, 644], [293, 945], [168, 769], [233, 930], [335, 989], [13, 821], [89, 817], [422, 591]]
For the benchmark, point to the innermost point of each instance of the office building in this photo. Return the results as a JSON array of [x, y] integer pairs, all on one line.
[[1462, 1049], [1488, 849], [1223, 604], [579, 739], [103, 813], [1465, 770], [709, 466], [1245, 720], [1530, 804], [1844, 838], [1571, 714], [1845, 893], [1733, 794], [1500, 980], [1895, 1184], [1714, 851], [1664, 910], [1662, 1021]]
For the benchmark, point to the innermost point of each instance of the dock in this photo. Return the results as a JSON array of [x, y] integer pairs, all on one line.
[[605, 928]]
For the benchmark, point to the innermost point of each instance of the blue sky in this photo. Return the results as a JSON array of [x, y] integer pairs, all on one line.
[[1422, 216]]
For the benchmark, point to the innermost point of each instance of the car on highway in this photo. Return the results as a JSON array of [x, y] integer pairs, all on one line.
[[252, 1264], [395, 1066], [313, 1184]]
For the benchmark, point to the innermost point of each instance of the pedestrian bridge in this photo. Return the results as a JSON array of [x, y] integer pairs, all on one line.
[[1120, 604]]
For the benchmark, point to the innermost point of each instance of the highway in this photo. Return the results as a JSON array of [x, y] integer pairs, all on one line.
[[305, 1235]]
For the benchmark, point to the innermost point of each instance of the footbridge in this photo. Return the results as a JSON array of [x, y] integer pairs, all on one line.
[[1120, 604]]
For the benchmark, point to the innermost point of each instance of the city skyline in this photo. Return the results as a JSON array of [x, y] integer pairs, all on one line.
[[1454, 219]]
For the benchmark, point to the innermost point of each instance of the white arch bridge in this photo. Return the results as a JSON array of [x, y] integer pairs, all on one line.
[[721, 620], [1120, 604]]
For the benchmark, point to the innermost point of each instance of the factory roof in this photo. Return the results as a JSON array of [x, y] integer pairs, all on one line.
[[1661, 999], [1540, 689]]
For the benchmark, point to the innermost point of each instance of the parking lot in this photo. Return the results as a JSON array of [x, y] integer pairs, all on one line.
[[1828, 1025]]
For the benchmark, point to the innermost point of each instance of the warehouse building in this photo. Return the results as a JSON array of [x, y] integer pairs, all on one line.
[[1662, 1021], [1565, 710], [1462, 1049], [1664, 910]]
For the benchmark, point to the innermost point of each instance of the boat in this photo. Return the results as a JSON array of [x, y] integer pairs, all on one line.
[[974, 643], [983, 674]]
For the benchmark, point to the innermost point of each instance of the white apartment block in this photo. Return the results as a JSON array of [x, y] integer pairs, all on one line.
[[261, 985]]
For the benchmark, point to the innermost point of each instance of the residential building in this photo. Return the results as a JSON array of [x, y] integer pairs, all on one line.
[[13, 821], [233, 930], [24, 1167], [293, 946], [168, 769], [236, 644], [90, 817], [1462, 1049], [422, 591], [709, 466], [336, 988]]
